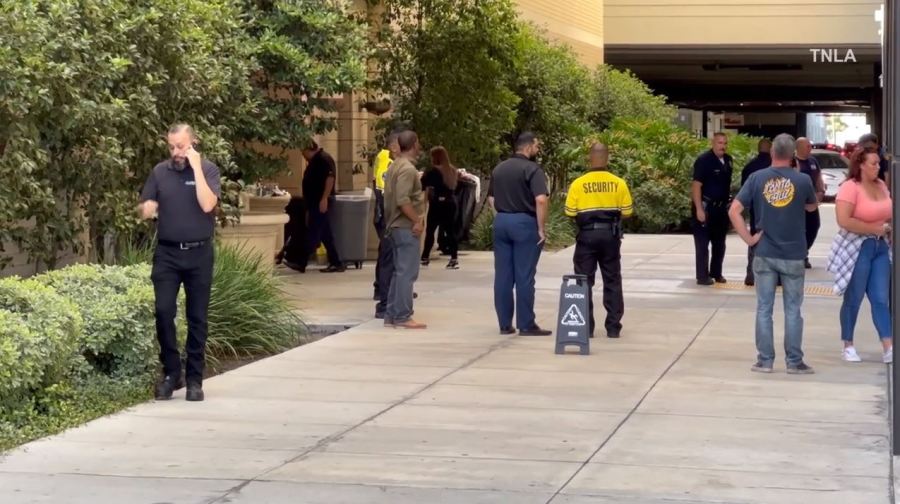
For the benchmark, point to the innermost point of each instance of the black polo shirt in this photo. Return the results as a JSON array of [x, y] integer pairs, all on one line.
[[180, 217], [320, 167], [715, 175], [515, 183]]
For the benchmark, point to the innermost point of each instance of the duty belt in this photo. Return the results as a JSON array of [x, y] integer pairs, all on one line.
[[183, 245], [598, 225]]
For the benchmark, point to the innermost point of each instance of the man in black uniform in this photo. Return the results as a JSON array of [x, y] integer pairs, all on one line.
[[598, 201], [762, 161], [807, 164], [318, 193], [710, 193], [183, 191]]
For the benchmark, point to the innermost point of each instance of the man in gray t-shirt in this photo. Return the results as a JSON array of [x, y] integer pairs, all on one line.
[[779, 197]]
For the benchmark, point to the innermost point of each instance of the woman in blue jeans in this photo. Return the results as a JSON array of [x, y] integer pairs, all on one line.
[[864, 208]]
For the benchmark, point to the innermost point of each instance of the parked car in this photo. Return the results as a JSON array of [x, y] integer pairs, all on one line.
[[834, 170]]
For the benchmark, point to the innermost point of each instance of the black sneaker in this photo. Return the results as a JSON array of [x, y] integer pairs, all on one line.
[[507, 331], [294, 266], [334, 269], [749, 281], [807, 264], [535, 331], [613, 334], [453, 264], [721, 280], [425, 262], [801, 368], [706, 281], [194, 392], [166, 386], [759, 367]]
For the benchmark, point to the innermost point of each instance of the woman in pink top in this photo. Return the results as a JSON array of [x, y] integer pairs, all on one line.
[[864, 208]]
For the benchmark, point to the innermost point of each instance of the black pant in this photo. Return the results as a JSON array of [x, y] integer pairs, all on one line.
[[813, 223], [379, 223], [441, 213], [712, 232], [601, 247], [193, 268], [318, 232]]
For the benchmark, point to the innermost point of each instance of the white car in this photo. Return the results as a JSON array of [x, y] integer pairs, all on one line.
[[834, 170]]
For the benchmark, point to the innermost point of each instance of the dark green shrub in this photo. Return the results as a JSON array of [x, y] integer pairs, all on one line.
[[116, 305], [248, 313]]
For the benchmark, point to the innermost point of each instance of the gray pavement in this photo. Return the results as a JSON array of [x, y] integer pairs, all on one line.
[[670, 413]]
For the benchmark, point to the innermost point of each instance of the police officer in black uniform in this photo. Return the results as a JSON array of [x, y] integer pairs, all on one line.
[[598, 201], [183, 192], [710, 194]]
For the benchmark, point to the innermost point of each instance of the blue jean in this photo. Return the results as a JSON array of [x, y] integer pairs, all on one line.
[[872, 278], [793, 273], [405, 249], [516, 255]]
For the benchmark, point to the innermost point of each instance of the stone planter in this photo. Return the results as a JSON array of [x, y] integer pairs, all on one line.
[[257, 233], [270, 205]]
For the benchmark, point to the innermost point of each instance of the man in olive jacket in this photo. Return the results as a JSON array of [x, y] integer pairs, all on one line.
[[404, 209]]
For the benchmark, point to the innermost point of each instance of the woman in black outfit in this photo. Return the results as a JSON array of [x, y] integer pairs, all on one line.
[[441, 182]]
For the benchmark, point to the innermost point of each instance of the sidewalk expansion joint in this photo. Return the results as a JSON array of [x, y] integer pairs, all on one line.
[[636, 406], [324, 442]]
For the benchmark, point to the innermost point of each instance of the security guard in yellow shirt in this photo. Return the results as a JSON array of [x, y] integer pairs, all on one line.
[[598, 201]]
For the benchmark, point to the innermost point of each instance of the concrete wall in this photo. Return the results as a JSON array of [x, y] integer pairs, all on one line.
[[578, 23], [817, 23]]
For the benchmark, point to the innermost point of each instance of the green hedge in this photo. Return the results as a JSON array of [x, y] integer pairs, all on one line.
[[116, 305], [80, 342], [38, 335]]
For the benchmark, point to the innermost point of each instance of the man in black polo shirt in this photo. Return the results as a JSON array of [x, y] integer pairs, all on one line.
[[318, 193], [183, 191], [710, 193], [518, 191]]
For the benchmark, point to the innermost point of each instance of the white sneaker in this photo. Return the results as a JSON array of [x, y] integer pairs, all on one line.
[[888, 357], [850, 355]]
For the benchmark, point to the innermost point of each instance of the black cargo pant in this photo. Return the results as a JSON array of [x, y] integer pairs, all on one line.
[[603, 248], [172, 267], [379, 223], [813, 223], [712, 232], [318, 232]]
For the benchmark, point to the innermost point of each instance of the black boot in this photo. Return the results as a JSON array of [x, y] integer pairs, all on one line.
[[194, 392], [166, 386]]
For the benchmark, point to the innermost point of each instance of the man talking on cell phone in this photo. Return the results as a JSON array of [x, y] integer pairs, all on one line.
[[182, 192]]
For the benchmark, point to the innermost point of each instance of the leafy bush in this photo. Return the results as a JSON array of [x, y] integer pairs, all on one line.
[[117, 306], [38, 334], [621, 95]]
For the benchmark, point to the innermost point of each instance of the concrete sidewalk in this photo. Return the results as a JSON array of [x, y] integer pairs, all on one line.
[[459, 414]]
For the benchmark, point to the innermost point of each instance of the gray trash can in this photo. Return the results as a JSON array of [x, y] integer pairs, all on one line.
[[350, 223]]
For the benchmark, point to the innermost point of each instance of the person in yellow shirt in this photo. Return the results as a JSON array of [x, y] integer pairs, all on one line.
[[598, 201]]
